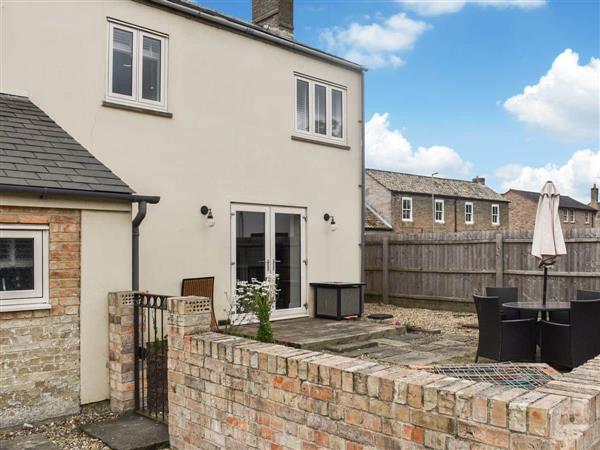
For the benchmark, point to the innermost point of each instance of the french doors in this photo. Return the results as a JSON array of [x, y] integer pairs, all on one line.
[[271, 240]]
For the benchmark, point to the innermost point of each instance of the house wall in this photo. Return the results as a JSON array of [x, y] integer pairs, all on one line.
[[423, 215], [229, 140], [57, 359], [523, 210]]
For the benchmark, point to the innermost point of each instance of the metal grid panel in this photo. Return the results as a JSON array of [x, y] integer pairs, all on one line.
[[525, 376]]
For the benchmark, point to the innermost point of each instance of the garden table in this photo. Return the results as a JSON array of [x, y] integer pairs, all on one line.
[[539, 306]]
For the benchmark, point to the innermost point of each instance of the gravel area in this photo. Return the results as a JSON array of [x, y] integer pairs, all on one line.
[[65, 432], [446, 322]]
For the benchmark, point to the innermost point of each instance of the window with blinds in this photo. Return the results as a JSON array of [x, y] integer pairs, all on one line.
[[137, 66], [320, 109]]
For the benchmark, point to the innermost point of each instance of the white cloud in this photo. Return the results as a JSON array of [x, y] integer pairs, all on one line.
[[377, 44], [438, 7], [387, 149], [574, 178], [565, 101]]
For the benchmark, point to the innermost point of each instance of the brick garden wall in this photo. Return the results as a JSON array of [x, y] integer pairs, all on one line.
[[231, 392], [39, 350]]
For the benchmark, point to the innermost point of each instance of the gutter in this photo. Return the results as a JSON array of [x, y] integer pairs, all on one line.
[[257, 33]]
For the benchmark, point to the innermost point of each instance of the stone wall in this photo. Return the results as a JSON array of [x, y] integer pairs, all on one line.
[[230, 392], [422, 215], [39, 350]]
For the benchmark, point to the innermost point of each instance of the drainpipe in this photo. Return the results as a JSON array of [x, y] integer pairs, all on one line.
[[362, 185], [135, 241]]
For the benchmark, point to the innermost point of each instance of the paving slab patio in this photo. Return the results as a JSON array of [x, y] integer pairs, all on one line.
[[30, 442], [130, 432]]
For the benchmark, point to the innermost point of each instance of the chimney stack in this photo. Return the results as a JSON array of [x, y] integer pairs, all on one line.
[[594, 202], [274, 15], [479, 180]]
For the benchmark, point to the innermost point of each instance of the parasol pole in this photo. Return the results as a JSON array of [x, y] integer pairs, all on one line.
[[545, 284]]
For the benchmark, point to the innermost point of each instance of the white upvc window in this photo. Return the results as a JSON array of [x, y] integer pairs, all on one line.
[[587, 217], [439, 211], [469, 213], [407, 209], [565, 215], [137, 66], [495, 214], [572, 215], [320, 109], [24, 281]]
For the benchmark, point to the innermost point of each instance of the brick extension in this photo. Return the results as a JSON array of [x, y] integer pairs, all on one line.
[[39, 349], [231, 392]]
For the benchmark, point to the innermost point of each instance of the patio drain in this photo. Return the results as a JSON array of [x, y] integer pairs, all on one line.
[[525, 376]]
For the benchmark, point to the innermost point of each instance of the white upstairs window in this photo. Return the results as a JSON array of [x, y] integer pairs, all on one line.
[[137, 66], [439, 211], [587, 217], [495, 214], [23, 267], [469, 213], [572, 215], [407, 209], [320, 109]]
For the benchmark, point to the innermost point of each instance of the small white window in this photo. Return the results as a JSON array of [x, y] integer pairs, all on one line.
[[320, 109], [439, 211], [407, 211], [469, 213], [495, 214], [23, 267], [587, 217], [572, 215], [137, 66], [565, 215]]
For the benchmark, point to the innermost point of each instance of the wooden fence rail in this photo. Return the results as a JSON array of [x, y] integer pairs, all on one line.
[[446, 269]]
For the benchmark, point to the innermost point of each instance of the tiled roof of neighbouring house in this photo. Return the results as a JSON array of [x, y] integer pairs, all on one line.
[[373, 221], [420, 184], [36, 152], [564, 202]]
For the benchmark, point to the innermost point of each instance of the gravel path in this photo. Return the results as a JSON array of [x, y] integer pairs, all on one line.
[[65, 433], [446, 321]]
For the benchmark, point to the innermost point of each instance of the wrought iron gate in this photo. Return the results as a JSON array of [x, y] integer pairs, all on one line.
[[150, 361]]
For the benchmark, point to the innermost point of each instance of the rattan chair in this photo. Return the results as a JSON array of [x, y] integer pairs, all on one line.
[[509, 295], [201, 287], [503, 340], [570, 345], [563, 316]]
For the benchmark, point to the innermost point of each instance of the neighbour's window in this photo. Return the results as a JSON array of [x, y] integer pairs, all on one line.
[[439, 211], [495, 214], [320, 109], [469, 213], [572, 215], [23, 267], [407, 212], [565, 215], [137, 66], [587, 217]]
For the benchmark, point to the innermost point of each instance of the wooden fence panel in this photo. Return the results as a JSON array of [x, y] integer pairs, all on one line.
[[454, 266]]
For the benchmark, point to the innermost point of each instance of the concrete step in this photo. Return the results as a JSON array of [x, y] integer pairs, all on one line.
[[350, 346]]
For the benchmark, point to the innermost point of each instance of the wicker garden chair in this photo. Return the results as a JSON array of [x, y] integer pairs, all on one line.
[[503, 340], [570, 345], [564, 316], [201, 287]]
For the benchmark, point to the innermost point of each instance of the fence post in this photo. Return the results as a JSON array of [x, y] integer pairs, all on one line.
[[385, 283], [499, 260], [121, 350]]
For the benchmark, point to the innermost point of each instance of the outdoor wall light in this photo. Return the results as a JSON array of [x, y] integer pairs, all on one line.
[[331, 220], [210, 219]]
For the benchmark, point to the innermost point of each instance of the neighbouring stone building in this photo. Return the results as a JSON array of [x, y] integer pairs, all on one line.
[[594, 203], [405, 203], [65, 241], [523, 207]]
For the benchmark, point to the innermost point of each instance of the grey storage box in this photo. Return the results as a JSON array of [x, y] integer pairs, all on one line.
[[337, 300]]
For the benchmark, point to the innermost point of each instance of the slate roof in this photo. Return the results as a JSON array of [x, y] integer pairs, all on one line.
[[564, 202], [420, 184], [36, 152], [373, 221]]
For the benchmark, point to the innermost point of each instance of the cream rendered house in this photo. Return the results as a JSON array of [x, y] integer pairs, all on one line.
[[205, 110]]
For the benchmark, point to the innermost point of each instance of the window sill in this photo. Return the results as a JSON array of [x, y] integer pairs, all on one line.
[[319, 142], [29, 307], [138, 109]]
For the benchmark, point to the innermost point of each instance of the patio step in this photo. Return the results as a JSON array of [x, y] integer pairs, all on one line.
[[350, 346]]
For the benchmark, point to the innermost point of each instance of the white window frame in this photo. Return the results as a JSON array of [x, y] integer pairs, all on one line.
[[472, 213], [587, 217], [39, 297], [311, 133], [497, 214], [435, 211], [565, 215], [136, 99], [410, 210], [572, 215]]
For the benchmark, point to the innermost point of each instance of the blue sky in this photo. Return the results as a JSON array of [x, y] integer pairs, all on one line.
[[442, 71]]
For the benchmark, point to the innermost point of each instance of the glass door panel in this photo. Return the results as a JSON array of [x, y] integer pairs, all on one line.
[[250, 245], [288, 260]]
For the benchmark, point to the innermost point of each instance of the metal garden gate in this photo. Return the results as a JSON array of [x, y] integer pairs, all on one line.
[[150, 361]]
